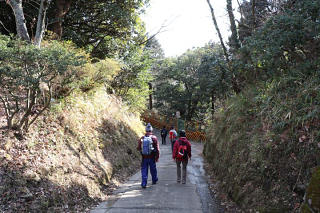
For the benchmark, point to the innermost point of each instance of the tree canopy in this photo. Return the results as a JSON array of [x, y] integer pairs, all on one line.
[[190, 83], [103, 28]]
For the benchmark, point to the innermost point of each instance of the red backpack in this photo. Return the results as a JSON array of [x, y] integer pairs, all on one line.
[[182, 151]]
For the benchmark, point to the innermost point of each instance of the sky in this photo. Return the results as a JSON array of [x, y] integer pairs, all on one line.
[[188, 23]]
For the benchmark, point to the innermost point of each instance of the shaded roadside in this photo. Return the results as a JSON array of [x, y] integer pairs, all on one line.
[[198, 177]]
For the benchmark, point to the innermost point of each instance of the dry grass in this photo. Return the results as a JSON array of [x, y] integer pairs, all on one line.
[[70, 159], [261, 154]]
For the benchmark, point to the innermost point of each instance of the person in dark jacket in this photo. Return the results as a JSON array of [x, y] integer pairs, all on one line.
[[150, 155], [164, 134], [182, 141]]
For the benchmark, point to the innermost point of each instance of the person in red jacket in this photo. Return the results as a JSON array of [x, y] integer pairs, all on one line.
[[181, 153], [149, 148]]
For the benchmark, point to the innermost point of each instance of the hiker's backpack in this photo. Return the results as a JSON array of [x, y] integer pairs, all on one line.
[[172, 134], [147, 145], [182, 151], [163, 132]]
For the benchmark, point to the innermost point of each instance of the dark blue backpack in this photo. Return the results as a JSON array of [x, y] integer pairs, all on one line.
[[163, 132]]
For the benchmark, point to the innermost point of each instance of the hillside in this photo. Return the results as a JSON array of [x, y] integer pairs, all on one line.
[[264, 146], [69, 160]]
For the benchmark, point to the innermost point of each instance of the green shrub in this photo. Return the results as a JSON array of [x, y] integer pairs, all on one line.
[[29, 77], [286, 41], [94, 75]]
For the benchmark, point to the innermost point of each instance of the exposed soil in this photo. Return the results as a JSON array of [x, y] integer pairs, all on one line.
[[41, 174]]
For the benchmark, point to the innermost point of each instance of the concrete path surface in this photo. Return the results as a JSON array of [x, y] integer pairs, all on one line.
[[167, 195]]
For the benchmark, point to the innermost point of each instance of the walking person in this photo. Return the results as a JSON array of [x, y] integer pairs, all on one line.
[[164, 134], [181, 154], [149, 148], [172, 136]]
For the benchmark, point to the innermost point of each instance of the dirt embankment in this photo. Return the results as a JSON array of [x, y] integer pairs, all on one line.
[[71, 159]]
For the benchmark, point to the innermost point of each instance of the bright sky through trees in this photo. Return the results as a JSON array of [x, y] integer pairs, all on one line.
[[188, 23]]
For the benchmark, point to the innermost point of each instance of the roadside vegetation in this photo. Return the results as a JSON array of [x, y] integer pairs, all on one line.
[[69, 108], [69, 159], [263, 145], [60, 142], [259, 93]]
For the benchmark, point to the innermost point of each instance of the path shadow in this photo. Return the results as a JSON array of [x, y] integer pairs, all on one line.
[[120, 157], [21, 193]]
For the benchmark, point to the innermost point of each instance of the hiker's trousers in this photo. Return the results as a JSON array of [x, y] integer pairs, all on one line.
[[172, 144], [164, 139], [184, 171], [145, 164]]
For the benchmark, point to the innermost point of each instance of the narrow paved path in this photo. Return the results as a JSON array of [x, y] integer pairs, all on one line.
[[167, 195]]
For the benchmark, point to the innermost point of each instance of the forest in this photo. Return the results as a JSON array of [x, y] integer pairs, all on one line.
[[75, 77]]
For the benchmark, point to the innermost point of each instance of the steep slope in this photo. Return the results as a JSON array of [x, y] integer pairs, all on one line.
[[264, 143], [72, 158]]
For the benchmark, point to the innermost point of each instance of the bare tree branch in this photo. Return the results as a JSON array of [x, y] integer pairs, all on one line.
[[218, 31], [4, 27], [240, 9], [41, 21], [253, 14], [234, 34], [154, 35], [6, 108]]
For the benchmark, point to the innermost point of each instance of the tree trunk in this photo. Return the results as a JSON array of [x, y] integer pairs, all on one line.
[[150, 96], [63, 7], [234, 41], [218, 31], [235, 85], [253, 15], [191, 109], [41, 21], [27, 113], [21, 26], [213, 100]]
